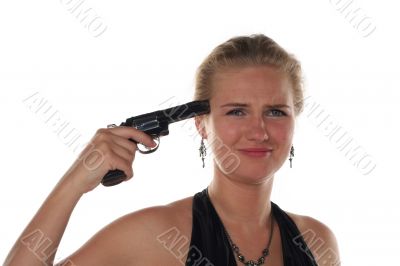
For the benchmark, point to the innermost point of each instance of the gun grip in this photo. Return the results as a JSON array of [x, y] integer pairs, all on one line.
[[113, 177]]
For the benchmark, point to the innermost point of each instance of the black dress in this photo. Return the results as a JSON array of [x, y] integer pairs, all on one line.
[[210, 246]]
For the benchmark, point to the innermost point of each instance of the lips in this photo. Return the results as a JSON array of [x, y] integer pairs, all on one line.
[[256, 152], [256, 149]]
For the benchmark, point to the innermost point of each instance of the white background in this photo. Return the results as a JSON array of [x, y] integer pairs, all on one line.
[[147, 54]]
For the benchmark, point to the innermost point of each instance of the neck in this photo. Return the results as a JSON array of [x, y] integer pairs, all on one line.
[[241, 203]]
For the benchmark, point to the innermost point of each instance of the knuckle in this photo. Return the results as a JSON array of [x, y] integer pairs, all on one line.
[[128, 163], [101, 130], [102, 135], [113, 163], [132, 146], [105, 147], [132, 157], [140, 135], [110, 158], [129, 174]]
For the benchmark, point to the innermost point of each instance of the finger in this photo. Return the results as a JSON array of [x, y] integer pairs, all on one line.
[[123, 152], [107, 155], [120, 163], [135, 134], [124, 143], [130, 176]]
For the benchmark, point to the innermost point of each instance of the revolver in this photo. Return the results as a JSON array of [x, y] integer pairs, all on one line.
[[156, 125]]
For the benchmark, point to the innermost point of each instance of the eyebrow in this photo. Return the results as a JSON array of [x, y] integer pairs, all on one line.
[[247, 105]]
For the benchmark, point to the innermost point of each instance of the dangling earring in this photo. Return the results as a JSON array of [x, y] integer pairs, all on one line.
[[291, 155], [203, 151]]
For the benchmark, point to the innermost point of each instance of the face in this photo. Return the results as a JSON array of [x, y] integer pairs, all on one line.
[[250, 126]]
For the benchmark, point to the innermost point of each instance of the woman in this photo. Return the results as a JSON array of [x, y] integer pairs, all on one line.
[[255, 94]]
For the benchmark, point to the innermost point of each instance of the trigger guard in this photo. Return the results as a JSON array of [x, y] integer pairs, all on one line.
[[149, 150]]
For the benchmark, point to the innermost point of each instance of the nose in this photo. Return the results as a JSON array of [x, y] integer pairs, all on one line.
[[257, 130]]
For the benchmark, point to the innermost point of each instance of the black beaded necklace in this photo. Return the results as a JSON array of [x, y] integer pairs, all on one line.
[[265, 251]]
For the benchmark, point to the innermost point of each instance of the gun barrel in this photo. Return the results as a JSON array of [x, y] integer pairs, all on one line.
[[184, 111], [169, 115]]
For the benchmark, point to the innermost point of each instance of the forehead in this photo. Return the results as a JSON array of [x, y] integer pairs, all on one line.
[[251, 83]]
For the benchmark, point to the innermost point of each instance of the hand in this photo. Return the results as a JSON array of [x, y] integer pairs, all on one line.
[[109, 149]]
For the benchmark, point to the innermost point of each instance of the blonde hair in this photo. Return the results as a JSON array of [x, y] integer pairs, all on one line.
[[253, 50]]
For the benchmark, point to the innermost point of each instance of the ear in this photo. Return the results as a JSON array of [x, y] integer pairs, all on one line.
[[200, 122]]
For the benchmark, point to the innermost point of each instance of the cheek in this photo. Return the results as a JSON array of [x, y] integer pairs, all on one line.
[[226, 132], [281, 133], [222, 137]]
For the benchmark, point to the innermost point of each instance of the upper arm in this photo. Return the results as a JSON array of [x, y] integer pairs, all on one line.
[[119, 243], [320, 240]]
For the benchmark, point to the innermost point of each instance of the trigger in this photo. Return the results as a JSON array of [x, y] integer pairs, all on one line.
[[150, 150]]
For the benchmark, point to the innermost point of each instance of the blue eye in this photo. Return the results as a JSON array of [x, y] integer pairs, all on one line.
[[272, 112], [235, 112], [276, 112]]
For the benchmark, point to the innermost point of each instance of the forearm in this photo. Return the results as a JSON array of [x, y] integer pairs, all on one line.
[[108, 149], [39, 241]]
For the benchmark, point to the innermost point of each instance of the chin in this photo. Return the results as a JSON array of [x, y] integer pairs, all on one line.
[[252, 180], [253, 175], [250, 169]]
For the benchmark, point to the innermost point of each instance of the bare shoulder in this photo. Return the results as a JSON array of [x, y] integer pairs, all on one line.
[[319, 238], [152, 235]]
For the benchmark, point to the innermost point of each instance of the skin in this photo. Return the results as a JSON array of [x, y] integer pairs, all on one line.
[[240, 194]]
